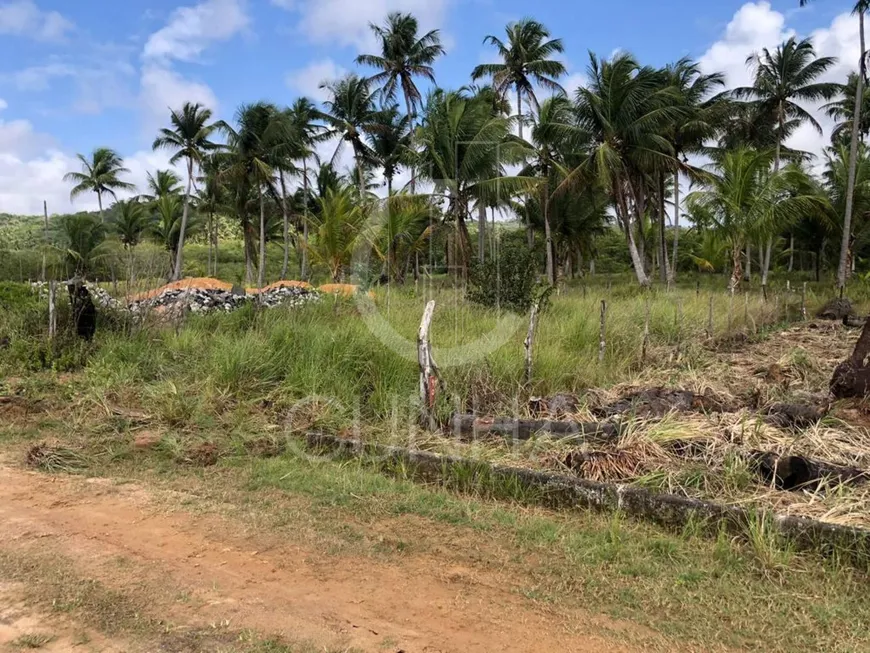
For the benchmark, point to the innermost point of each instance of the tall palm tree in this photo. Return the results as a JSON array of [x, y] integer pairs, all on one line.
[[783, 78], [253, 161], [465, 149], [404, 56], [835, 176], [740, 194], [626, 110], [99, 175], [693, 127], [163, 182], [843, 109], [131, 222], [861, 8], [189, 139], [304, 122], [351, 113], [391, 143], [526, 61], [553, 133], [82, 241]]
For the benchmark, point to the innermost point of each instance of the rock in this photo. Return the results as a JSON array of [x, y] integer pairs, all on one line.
[[836, 309]]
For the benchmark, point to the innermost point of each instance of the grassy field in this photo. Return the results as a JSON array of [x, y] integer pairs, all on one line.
[[231, 391]]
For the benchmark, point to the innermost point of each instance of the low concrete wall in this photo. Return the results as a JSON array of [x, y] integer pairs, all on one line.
[[561, 491]]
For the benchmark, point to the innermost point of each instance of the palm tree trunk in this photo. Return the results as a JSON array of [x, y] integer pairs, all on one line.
[[286, 262], [749, 262], [410, 109], [520, 110], [842, 269], [208, 237], [249, 251], [791, 252], [768, 248], [179, 254], [304, 271], [673, 268], [548, 236], [736, 272], [100, 205], [216, 241], [663, 246], [261, 279], [481, 231]]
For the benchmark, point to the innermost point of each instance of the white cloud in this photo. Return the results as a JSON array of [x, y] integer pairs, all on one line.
[[3, 104], [163, 89], [191, 30], [307, 80], [25, 18], [756, 26], [346, 22]]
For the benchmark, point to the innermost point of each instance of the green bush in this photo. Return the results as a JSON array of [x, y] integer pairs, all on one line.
[[509, 281]]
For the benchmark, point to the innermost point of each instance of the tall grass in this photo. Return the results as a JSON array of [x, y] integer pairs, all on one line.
[[361, 359]]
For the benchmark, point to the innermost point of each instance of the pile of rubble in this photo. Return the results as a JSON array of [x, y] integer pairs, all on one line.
[[211, 295], [196, 300]]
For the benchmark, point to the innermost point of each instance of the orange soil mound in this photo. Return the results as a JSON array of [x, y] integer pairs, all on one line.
[[346, 289], [281, 284], [204, 283]]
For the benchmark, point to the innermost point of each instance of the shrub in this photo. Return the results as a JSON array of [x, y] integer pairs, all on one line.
[[508, 281]]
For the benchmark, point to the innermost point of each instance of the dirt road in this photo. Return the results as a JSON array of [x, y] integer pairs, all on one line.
[[194, 572]]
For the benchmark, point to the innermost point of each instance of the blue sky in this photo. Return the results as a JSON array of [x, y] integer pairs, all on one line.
[[75, 75]]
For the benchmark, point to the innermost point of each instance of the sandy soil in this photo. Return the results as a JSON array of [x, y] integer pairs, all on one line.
[[200, 571]]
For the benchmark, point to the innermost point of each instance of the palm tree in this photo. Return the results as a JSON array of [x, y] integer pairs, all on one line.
[[526, 61], [253, 163], [188, 138], [337, 227], [836, 176], [404, 56], [164, 182], [783, 78], [740, 194], [626, 110], [861, 7], [166, 225], [99, 175], [465, 149], [351, 113], [554, 132], [843, 109], [692, 127], [131, 221], [308, 131], [391, 143], [82, 240]]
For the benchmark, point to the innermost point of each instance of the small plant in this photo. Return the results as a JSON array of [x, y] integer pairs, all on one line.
[[32, 640], [56, 459]]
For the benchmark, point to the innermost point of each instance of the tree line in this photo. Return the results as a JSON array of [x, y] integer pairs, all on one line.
[[615, 151]]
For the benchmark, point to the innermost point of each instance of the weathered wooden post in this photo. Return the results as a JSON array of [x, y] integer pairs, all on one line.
[[45, 238], [602, 343], [710, 318], [52, 309], [731, 310], [645, 344], [428, 370], [530, 339], [804, 302]]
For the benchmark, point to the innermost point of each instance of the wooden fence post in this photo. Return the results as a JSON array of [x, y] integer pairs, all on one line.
[[52, 309], [731, 310], [602, 343], [530, 339], [43, 277], [804, 302], [645, 344], [428, 369], [710, 318]]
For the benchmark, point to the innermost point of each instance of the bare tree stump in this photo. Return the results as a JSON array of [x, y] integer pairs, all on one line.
[[852, 377], [428, 369], [530, 339]]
